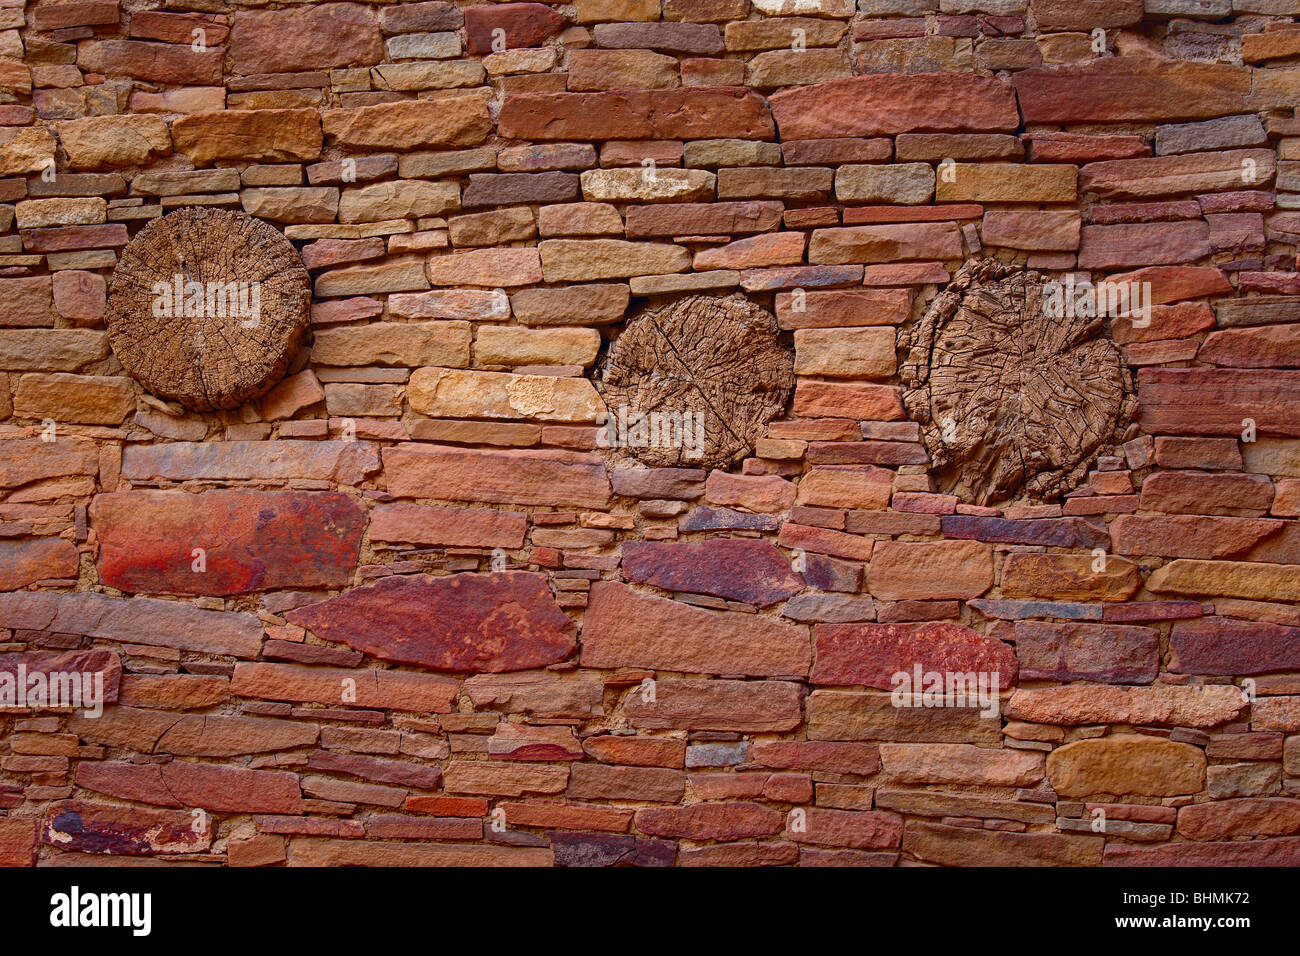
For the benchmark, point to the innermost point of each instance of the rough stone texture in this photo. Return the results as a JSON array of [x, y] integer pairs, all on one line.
[[754, 572], [626, 628], [466, 622], [872, 654], [248, 540], [1126, 764]]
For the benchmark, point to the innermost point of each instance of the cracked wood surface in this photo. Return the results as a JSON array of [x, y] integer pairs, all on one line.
[[717, 356], [208, 361], [1011, 401]]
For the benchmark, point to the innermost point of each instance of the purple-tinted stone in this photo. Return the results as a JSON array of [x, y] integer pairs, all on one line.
[[1218, 645], [610, 849], [480, 623], [705, 518], [1064, 652], [1020, 610], [1057, 532], [739, 569]]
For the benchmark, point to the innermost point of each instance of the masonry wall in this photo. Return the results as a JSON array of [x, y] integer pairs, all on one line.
[[435, 622]]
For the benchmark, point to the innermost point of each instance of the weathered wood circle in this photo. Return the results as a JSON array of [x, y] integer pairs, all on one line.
[[711, 367], [1012, 400], [207, 307]]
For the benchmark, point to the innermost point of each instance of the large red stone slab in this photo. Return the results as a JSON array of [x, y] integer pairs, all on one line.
[[517, 476], [521, 25], [86, 663], [1218, 645], [128, 831], [1097, 652], [134, 621], [711, 821], [24, 460], [740, 706], [1283, 852], [183, 784], [250, 540], [385, 689], [168, 63], [728, 112], [311, 37], [1251, 816], [1116, 89], [57, 15], [625, 628], [1190, 536], [871, 654], [448, 527], [477, 623], [1268, 346], [1205, 401], [888, 103], [740, 569], [36, 559]]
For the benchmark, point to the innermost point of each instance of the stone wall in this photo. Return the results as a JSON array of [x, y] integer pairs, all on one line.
[[406, 609]]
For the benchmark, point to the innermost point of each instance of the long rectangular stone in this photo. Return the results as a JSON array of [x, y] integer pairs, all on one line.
[[725, 112], [1205, 401], [137, 620], [625, 628], [1131, 89], [1180, 174], [884, 104], [346, 462], [515, 476], [854, 715], [337, 687]]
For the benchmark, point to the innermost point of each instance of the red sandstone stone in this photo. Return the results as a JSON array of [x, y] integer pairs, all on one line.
[[1218, 645], [396, 690], [1095, 652], [465, 622], [522, 25], [745, 570], [1195, 492], [448, 527], [36, 559], [886, 104], [871, 654], [86, 663], [1250, 816], [539, 477], [246, 540], [625, 628], [1116, 89], [305, 38], [637, 114], [866, 830], [184, 784], [134, 621], [1205, 401], [129, 831], [710, 821]]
